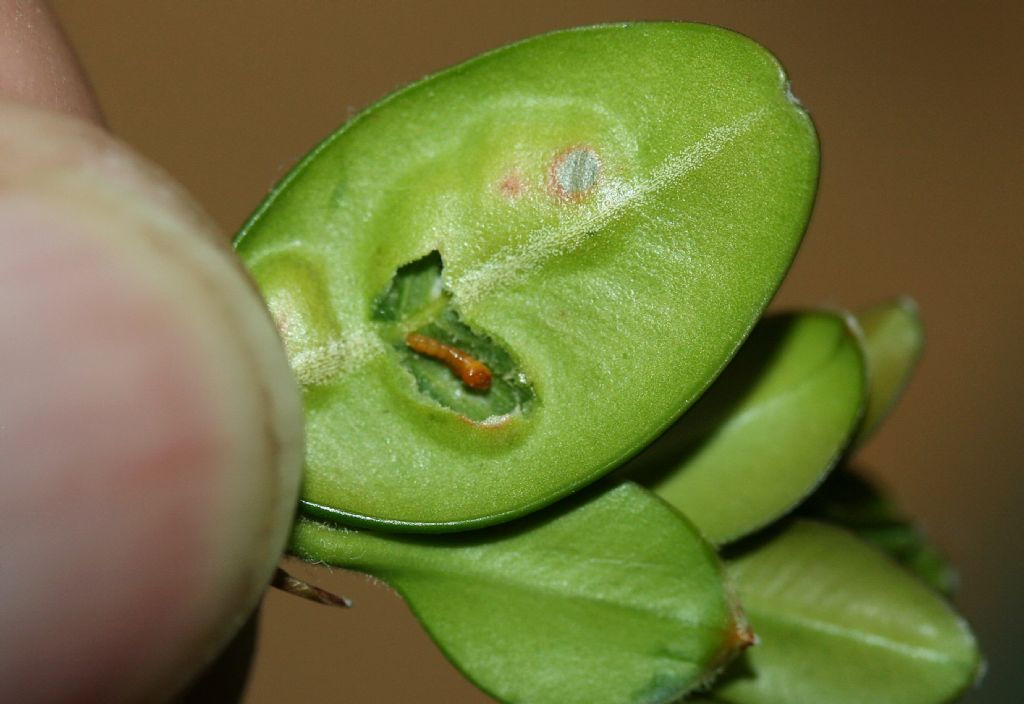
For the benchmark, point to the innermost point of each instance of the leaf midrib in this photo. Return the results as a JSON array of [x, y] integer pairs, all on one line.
[[865, 638]]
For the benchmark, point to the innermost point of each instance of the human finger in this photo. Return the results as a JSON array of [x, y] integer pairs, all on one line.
[[150, 429]]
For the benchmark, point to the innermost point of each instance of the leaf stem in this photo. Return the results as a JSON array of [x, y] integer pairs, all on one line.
[[297, 587]]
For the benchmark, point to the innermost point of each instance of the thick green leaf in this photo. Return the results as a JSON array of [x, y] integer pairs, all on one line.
[[837, 621], [849, 500], [612, 598], [893, 339], [767, 430], [608, 209]]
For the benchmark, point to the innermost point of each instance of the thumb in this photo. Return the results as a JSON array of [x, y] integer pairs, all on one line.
[[150, 429]]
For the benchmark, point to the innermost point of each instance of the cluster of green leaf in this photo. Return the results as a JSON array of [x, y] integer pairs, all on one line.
[[601, 216], [613, 598]]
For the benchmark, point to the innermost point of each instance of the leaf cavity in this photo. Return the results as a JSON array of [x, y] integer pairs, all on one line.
[[416, 316]]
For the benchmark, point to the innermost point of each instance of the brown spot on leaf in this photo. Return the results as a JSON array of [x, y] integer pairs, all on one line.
[[282, 323], [512, 186]]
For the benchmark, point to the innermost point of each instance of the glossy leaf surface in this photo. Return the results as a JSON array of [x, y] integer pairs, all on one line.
[[839, 622], [849, 500], [612, 598], [609, 210], [768, 429], [893, 340]]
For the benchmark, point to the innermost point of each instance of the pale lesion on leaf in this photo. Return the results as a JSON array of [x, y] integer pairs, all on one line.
[[574, 173]]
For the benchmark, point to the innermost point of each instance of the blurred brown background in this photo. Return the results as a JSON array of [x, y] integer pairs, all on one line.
[[919, 108]]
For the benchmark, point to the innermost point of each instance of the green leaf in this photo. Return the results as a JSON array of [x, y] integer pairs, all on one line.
[[893, 340], [608, 209], [837, 621], [849, 500], [767, 430], [612, 598]]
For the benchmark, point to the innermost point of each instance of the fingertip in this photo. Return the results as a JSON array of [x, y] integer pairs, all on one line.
[[149, 415]]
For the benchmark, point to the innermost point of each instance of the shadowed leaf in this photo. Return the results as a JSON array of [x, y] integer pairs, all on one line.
[[839, 622], [849, 500], [613, 598], [893, 340], [766, 432]]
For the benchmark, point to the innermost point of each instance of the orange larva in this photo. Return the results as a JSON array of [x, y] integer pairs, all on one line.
[[470, 370]]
